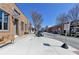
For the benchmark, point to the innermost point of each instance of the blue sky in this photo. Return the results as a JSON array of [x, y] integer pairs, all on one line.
[[49, 11]]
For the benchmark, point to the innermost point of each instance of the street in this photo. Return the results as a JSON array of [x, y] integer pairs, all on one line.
[[72, 41], [32, 45]]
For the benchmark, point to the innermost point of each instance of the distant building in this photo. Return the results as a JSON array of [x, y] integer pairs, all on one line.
[[69, 28], [74, 28], [55, 29]]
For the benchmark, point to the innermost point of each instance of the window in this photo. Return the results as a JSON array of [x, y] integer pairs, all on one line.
[[77, 30], [0, 20], [3, 20]]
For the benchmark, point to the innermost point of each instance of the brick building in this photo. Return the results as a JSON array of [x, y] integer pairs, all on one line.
[[56, 28], [12, 22]]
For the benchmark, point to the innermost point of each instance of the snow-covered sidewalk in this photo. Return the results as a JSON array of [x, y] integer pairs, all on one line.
[[31, 45]]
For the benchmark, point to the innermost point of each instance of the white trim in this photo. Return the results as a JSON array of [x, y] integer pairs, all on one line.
[[2, 20]]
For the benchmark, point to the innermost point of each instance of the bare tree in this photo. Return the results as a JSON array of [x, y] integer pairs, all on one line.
[[73, 14], [37, 20], [62, 18]]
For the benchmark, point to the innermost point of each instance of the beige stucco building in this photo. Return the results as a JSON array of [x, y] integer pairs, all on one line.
[[12, 22]]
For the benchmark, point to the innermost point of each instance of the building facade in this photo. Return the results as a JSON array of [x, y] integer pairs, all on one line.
[[12, 22], [74, 28], [55, 29], [70, 28]]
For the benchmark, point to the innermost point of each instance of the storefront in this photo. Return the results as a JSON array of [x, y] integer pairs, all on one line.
[[12, 22]]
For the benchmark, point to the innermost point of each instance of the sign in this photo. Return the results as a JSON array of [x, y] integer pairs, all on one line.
[[67, 26]]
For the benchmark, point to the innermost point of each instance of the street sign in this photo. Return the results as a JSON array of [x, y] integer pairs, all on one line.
[[67, 26]]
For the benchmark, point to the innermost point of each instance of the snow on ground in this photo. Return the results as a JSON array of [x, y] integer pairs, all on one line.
[[31, 45]]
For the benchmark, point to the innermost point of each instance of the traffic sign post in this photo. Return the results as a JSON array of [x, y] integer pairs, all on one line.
[[66, 28], [65, 44]]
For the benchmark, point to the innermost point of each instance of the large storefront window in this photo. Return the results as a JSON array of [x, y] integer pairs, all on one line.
[[3, 20]]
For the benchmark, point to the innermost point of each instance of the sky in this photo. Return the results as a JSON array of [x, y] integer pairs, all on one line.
[[49, 11]]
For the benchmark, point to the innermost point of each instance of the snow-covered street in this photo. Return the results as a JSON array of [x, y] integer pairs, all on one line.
[[31, 45]]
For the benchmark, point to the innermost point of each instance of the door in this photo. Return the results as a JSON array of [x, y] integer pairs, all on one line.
[[16, 29]]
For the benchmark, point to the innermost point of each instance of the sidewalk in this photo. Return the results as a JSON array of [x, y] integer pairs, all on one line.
[[31, 45]]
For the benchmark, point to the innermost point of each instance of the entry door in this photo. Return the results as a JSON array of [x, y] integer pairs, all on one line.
[[16, 30]]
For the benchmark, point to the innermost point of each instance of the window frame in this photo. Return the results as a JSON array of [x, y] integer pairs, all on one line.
[[3, 22]]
